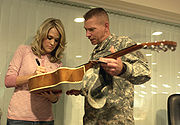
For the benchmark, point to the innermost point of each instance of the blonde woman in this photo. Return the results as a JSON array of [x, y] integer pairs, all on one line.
[[26, 108]]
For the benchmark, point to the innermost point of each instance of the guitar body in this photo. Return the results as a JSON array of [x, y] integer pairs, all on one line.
[[61, 79]]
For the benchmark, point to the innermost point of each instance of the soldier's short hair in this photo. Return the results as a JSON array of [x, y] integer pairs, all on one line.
[[98, 12]]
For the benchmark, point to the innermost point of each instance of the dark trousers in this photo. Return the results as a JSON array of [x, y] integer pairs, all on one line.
[[20, 122]]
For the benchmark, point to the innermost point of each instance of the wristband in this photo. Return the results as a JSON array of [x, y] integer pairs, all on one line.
[[123, 69]]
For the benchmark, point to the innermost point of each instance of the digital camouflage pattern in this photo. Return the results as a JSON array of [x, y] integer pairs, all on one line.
[[109, 100]]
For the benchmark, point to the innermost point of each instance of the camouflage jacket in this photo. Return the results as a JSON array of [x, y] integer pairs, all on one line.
[[112, 104]]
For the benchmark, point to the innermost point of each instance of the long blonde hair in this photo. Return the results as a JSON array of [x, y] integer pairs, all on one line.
[[42, 33]]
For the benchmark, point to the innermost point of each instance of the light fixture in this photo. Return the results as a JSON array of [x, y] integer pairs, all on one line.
[[154, 92], [79, 20], [142, 86], [135, 92], [148, 54], [164, 92], [78, 56], [141, 96], [157, 33], [143, 92], [166, 86], [154, 86]]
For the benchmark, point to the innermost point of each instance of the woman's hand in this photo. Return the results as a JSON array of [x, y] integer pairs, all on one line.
[[51, 96], [40, 70]]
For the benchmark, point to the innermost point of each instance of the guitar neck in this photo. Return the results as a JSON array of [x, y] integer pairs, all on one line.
[[124, 51], [157, 46]]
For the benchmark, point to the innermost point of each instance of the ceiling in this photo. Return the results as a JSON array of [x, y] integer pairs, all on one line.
[[167, 11]]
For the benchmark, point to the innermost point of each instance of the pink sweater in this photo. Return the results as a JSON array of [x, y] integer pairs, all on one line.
[[23, 104]]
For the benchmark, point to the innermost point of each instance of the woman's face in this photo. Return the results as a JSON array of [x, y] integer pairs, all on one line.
[[50, 43]]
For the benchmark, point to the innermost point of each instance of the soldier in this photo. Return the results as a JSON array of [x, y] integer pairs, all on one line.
[[109, 87]]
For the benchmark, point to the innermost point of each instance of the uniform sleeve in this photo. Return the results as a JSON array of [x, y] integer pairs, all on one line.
[[14, 67], [137, 69]]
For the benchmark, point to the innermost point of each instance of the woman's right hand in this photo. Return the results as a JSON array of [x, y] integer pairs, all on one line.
[[40, 69], [20, 80]]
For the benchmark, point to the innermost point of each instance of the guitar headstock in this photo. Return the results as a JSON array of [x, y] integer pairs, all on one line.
[[160, 45], [157, 46]]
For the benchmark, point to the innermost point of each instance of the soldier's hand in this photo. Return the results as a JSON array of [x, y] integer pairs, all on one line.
[[112, 66], [73, 92], [51, 96]]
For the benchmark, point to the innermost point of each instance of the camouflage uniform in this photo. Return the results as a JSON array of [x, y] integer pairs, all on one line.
[[114, 104]]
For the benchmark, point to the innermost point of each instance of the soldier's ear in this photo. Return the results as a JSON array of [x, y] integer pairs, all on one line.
[[107, 26]]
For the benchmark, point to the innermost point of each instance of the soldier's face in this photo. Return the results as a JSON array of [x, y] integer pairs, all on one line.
[[95, 31]]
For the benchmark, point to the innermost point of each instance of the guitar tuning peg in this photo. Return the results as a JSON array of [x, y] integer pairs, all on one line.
[[165, 46], [155, 49], [173, 48], [164, 49], [162, 44], [152, 46], [145, 46], [158, 50]]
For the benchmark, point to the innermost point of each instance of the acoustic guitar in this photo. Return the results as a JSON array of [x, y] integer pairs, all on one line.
[[65, 78]]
